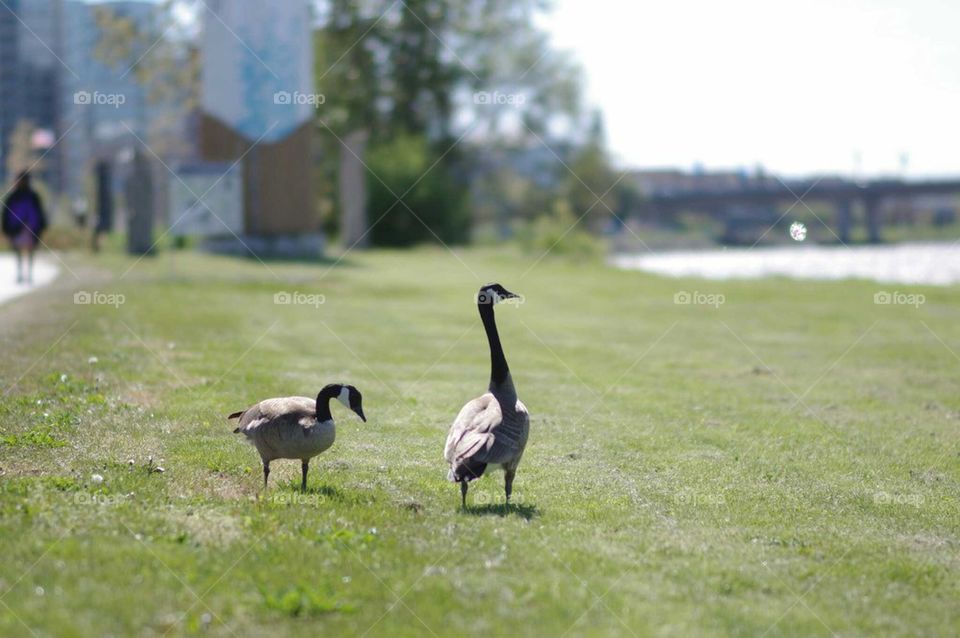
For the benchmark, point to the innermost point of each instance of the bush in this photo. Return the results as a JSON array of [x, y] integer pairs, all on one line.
[[64, 236], [437, 198], [560, 234]]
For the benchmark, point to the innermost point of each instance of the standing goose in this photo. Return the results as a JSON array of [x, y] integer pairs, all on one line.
[[295, 427], [491, 429]]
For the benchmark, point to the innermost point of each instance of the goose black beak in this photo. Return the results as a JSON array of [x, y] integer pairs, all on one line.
[[359, 412]]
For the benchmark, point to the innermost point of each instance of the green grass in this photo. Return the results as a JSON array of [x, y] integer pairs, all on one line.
[[787, 463]]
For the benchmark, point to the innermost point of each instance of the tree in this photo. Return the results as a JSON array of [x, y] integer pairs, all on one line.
[[420, 69], [348, 76], [590, 185], [168, 64], [430, 205]]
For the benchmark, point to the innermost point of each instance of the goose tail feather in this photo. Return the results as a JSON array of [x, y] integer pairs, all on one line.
[[466, 471]]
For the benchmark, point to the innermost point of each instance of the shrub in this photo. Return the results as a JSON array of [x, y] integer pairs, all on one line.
[[437, 198], [560, 234]]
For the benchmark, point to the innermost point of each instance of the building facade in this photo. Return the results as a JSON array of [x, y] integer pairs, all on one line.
[[80, 108], [103, 105], [31, 76]]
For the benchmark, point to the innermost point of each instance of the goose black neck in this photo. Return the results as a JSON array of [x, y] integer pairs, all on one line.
[[323, 407], [498, 362]]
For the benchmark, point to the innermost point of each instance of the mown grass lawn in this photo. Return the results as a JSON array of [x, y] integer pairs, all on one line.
[[784, 463]]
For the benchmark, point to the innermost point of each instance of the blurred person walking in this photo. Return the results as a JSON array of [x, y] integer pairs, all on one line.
[[23, 223]]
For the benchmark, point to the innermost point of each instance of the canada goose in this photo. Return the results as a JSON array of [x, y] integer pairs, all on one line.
[[492, 429], [295, 427]]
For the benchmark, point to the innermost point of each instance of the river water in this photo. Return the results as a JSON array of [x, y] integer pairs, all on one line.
[[910, 263]]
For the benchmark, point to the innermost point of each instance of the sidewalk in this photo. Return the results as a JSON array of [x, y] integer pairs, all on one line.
[[44, 271]]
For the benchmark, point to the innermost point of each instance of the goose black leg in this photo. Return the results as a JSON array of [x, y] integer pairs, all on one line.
[[266, 473], [463, 493], [508, 483], [304, 466]]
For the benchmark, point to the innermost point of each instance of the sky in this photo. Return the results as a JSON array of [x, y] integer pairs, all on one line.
[[855, 87], [863, 88]]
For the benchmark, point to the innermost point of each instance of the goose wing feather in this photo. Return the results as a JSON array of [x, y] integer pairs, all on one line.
[[481, 434], [286, 428], [278, 413]]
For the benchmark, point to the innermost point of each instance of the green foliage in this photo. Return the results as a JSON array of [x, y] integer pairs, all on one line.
[[560, 234], [395, 70], [66, 236], [432, 206], [163, 58], [591, 185], [303, 600], [346, 538], [42, 436], [45, 419]]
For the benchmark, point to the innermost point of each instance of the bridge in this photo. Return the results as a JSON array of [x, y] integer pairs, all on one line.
[[841, 194]]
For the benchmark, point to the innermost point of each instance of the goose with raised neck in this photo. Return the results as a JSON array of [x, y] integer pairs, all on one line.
[[490, 431], [500, 380]]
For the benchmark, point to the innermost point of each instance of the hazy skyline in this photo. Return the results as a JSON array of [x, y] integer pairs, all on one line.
[[796, 87]]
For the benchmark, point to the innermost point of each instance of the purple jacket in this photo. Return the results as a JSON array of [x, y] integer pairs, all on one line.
[[23, 209]]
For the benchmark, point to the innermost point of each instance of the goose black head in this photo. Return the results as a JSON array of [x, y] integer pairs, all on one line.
[[494, 293], [345, 394]]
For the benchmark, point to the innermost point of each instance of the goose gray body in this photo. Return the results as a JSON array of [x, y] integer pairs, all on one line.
[[286, 428], [491, 431], [295, 427]]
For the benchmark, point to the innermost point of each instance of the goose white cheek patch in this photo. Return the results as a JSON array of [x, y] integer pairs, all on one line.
[[344, 396]]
